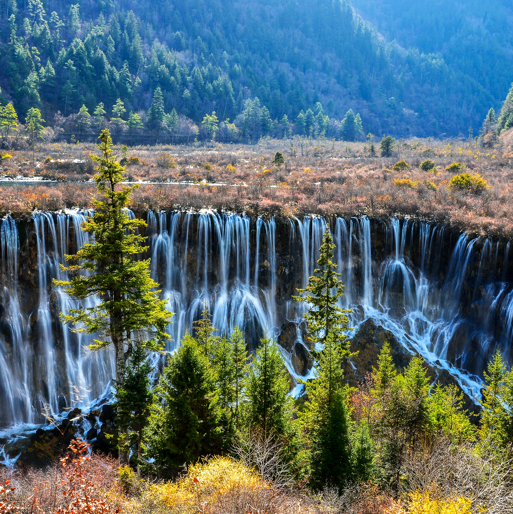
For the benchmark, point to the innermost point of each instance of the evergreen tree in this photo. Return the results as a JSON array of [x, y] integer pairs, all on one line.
[[34, 126], [402, 414], [183, 424], [99, 116], [211, 124], [497, 413], [8, 120], [267, 388], [325, 419], [505, 120], [133, 399], [387, 146], [349, 128], [204, 333], [83, 119], [384, 376], [156, 112], [326, 414], [325, 318], [240, 371], [129, 311]]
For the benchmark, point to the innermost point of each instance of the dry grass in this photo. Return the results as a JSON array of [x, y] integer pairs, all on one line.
[[318, 177]]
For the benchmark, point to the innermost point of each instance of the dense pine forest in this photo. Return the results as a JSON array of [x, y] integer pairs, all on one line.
[[255, 68]]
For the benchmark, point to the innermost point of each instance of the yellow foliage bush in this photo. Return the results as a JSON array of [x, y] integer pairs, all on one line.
[[474, 184], [455, 167], [430, 185], [406, 182], [5, 155], [424, 504], [133, 160], [165, 160], [206, 483], [230, 168], [401, 166]]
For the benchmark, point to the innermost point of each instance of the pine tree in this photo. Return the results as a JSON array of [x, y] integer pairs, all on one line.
[[183, 424], [241, 368], [224, 379], [387, 146], [505, 120], [326, 421], [204, 332], [211, 124], [129, 312], [156, 112], [83, 119], [267, 388], [34, 126], [133, 399], [383, 377], [497, 404], [325, 318], [349, 126], [8, 120], [99, 116]]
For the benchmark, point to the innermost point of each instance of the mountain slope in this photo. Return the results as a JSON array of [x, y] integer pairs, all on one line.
[[472, 36], [210, 55]]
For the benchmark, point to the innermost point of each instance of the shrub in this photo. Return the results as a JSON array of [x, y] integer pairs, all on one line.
[[428, 152], [207, 166], [207, 483], [424, 504], [278, 159], [430, 185], [48, 159], [164, 160], [230, 168], [406, 182], [474, 184], [455, 167], [5, 155], [401, 166], [427, 165], [133, 160]]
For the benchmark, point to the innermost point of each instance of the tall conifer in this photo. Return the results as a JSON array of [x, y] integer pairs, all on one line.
[[129, 311]]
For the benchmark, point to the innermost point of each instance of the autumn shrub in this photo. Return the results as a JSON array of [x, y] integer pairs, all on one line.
[[401, 166], [406, 182], [427, 165], [5, 155], [165, 160], [455, 167], [474, 184], [133, 160], [430, 185], [230, 168], [424, 503], [207, 166], [7, 501]]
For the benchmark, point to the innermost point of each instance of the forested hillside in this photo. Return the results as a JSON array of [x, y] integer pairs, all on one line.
[[473, 37], [315, 58]]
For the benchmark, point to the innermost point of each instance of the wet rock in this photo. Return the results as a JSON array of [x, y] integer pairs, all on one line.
[[368, 342], [289, 335], [108, 413], [301, 359], [74, 413], [91, 434]]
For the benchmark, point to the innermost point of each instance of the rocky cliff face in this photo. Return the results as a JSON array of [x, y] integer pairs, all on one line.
[[436, 291]]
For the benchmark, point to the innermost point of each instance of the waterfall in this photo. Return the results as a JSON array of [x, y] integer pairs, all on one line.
[[448, 297]]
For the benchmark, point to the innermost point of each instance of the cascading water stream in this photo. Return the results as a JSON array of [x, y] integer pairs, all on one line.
[[447, 298]]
